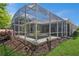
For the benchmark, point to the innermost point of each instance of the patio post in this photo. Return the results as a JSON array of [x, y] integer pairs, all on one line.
[[49, 26], [62, 28], [36, 22], [70, 29], [66, 29], [57, 29], [25, 24]]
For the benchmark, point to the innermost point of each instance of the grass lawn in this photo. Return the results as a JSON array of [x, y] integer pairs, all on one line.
[[6, 51], [67, 48]]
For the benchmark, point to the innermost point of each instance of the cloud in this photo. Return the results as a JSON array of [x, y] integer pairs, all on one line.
[[64, 12], [11, 4], [11, 8]]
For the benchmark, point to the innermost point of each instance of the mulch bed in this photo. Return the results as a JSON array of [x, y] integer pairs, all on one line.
[[26, 48]]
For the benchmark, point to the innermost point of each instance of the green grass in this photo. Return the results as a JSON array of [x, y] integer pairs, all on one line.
[[67, 48], [6, 51]]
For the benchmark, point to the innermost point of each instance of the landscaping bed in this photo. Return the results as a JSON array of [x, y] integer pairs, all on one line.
[[26, 48], [17, 46]]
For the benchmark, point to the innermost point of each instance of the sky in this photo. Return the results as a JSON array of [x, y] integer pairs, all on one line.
[[63, 10]]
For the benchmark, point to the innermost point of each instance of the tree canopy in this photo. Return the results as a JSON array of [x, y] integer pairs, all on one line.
[[4, 16]]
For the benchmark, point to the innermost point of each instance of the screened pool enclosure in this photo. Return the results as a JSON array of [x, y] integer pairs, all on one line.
[[35, 22]]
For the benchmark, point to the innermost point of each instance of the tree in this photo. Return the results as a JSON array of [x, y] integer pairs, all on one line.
[[4, 16]]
